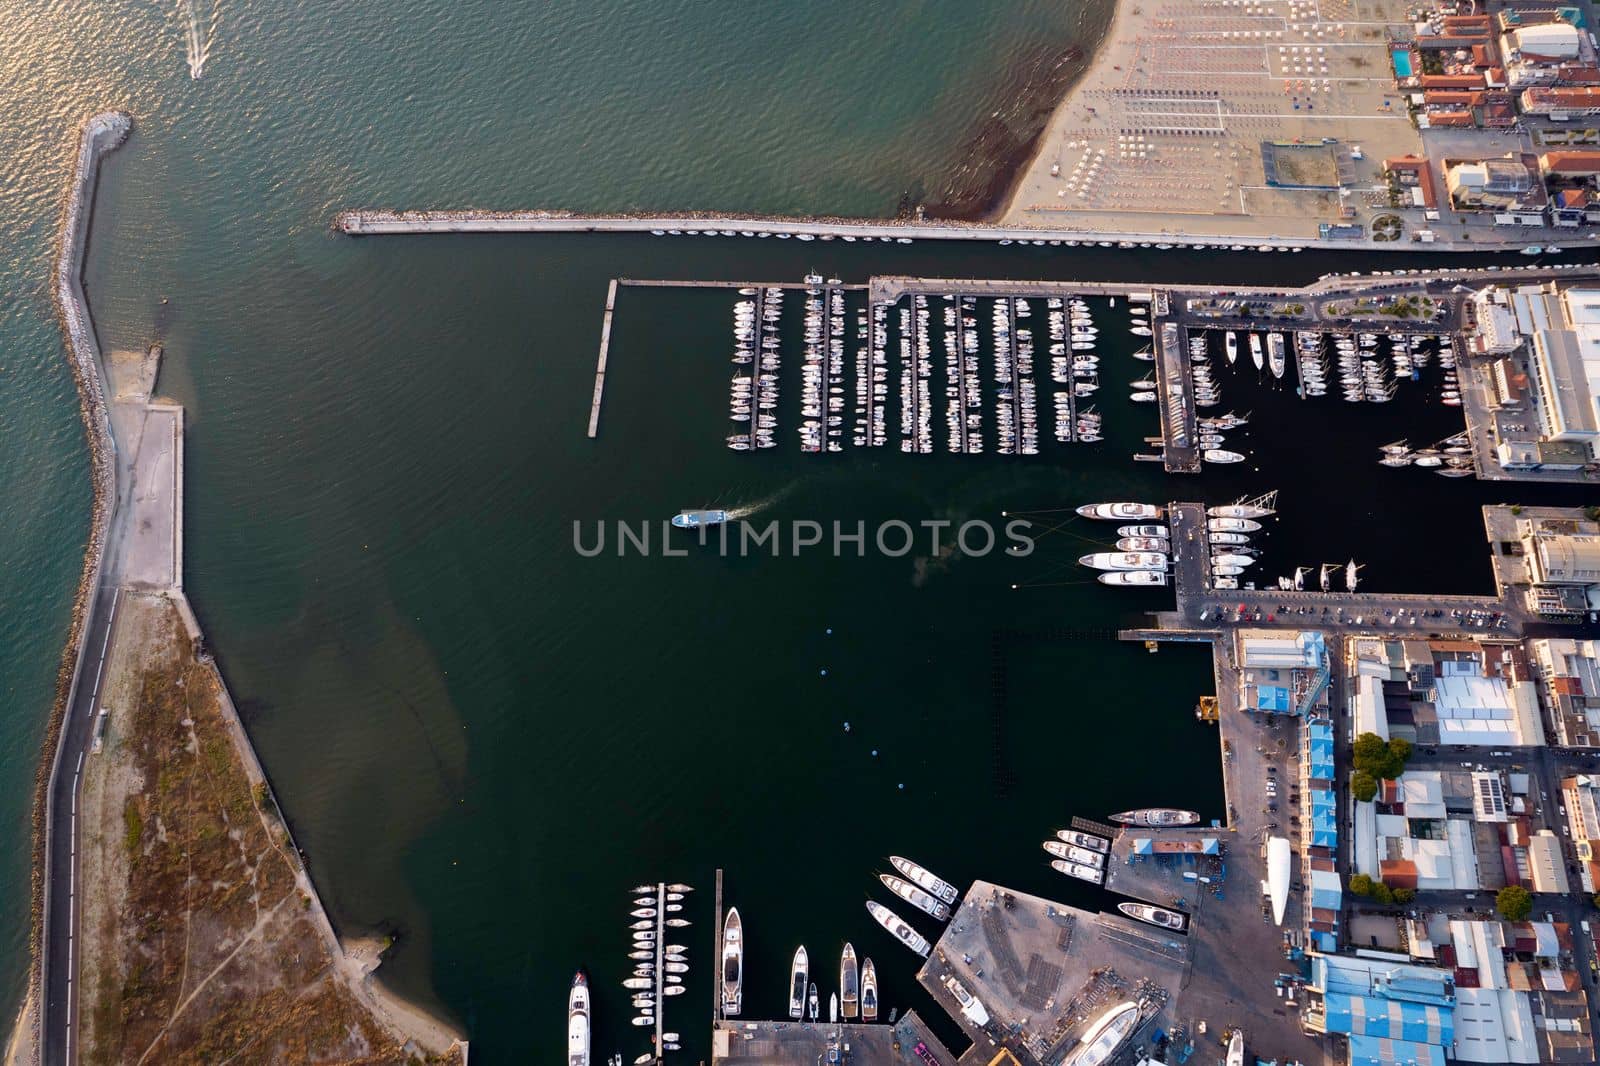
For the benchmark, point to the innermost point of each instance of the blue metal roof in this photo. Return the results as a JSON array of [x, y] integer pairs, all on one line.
[[1274, 698], [1374, 1051]]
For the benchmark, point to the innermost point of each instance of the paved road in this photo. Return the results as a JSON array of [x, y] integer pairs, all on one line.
[[59, 1009]]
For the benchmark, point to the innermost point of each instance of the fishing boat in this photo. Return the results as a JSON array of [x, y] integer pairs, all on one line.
[[578, 1021], [869, 991], [1156, 817], [1143, 578], [1154, 915], [798, 973], [1275, 360], [1083, 840], [898, 928], [1120, 511], [915, 896], [1073, 853], [732, 963], [1255, 351], [696, 519], [849, 990], [924, 879], [1230, 345], [1092, 874]]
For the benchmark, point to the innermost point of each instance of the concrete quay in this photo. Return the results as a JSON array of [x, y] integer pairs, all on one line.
[[375, 222], [793, 1043]]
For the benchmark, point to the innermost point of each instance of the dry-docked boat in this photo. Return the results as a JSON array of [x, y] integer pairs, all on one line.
[[924, 879], [1144, 578], [578, 1021], [869, 991], [1083, 840], [1160, 916], [1156, 816], [849, 992], [915, 896], [1105, 1036], [1127, 512], [797, 982], [732, 963], [901, 931], [1073, 853], [1076, 869]]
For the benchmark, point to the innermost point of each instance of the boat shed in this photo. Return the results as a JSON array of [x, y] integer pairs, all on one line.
[[1390, 1010]]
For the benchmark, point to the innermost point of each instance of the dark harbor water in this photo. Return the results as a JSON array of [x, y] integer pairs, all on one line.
[[482, 738]]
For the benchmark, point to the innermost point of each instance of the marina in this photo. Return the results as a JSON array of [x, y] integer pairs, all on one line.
[[912, 340]]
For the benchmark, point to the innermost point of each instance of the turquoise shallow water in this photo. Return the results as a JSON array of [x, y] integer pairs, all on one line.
[[481, 738]]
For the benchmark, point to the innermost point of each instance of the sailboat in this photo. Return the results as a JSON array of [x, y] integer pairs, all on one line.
[[797, 982], [1326, 567], [1300, 578], [1350, 575]]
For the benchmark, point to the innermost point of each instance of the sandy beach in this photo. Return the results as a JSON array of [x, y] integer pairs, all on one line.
[[1211, 118]]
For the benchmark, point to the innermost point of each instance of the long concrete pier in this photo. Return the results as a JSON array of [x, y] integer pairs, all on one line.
[[372, 222], [600, 365]]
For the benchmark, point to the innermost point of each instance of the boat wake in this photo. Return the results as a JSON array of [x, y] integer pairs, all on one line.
[[199, 31], [757, 506]]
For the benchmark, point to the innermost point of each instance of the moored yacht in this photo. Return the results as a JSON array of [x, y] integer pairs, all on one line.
[[1275, 352], [798, 975], [1125, 560], [924, 879], [849, 991], [1255, 351], [1127, 512], [1092, 874], [915, 896], [732, 964], [1083, 840], [869, 991], [1156, 816], [1154, 915], [1144, 578], [1230, 345], [579, 1023], [1073, 853], [901, 931]]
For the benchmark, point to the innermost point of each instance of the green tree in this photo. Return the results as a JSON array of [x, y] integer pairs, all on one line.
[[1361, 885], [1362, 786], [1514, 903], [1368, 748], [1404, 895], [1382, 893]]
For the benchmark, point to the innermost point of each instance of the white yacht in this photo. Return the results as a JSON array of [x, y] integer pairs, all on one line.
[[1121, 511], [849, 990], [924, 879], [901, 931], [1256, 356], [1158, 916], [915, 896], [579, 1023], [1145, 578], [732, 964], [1144, 531], [869, 991], [1125, 561], [1092, 874], [1073, 853], [1275, 353], [798, 976], [1230, 345], [1083, 840], [1232, 525]]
